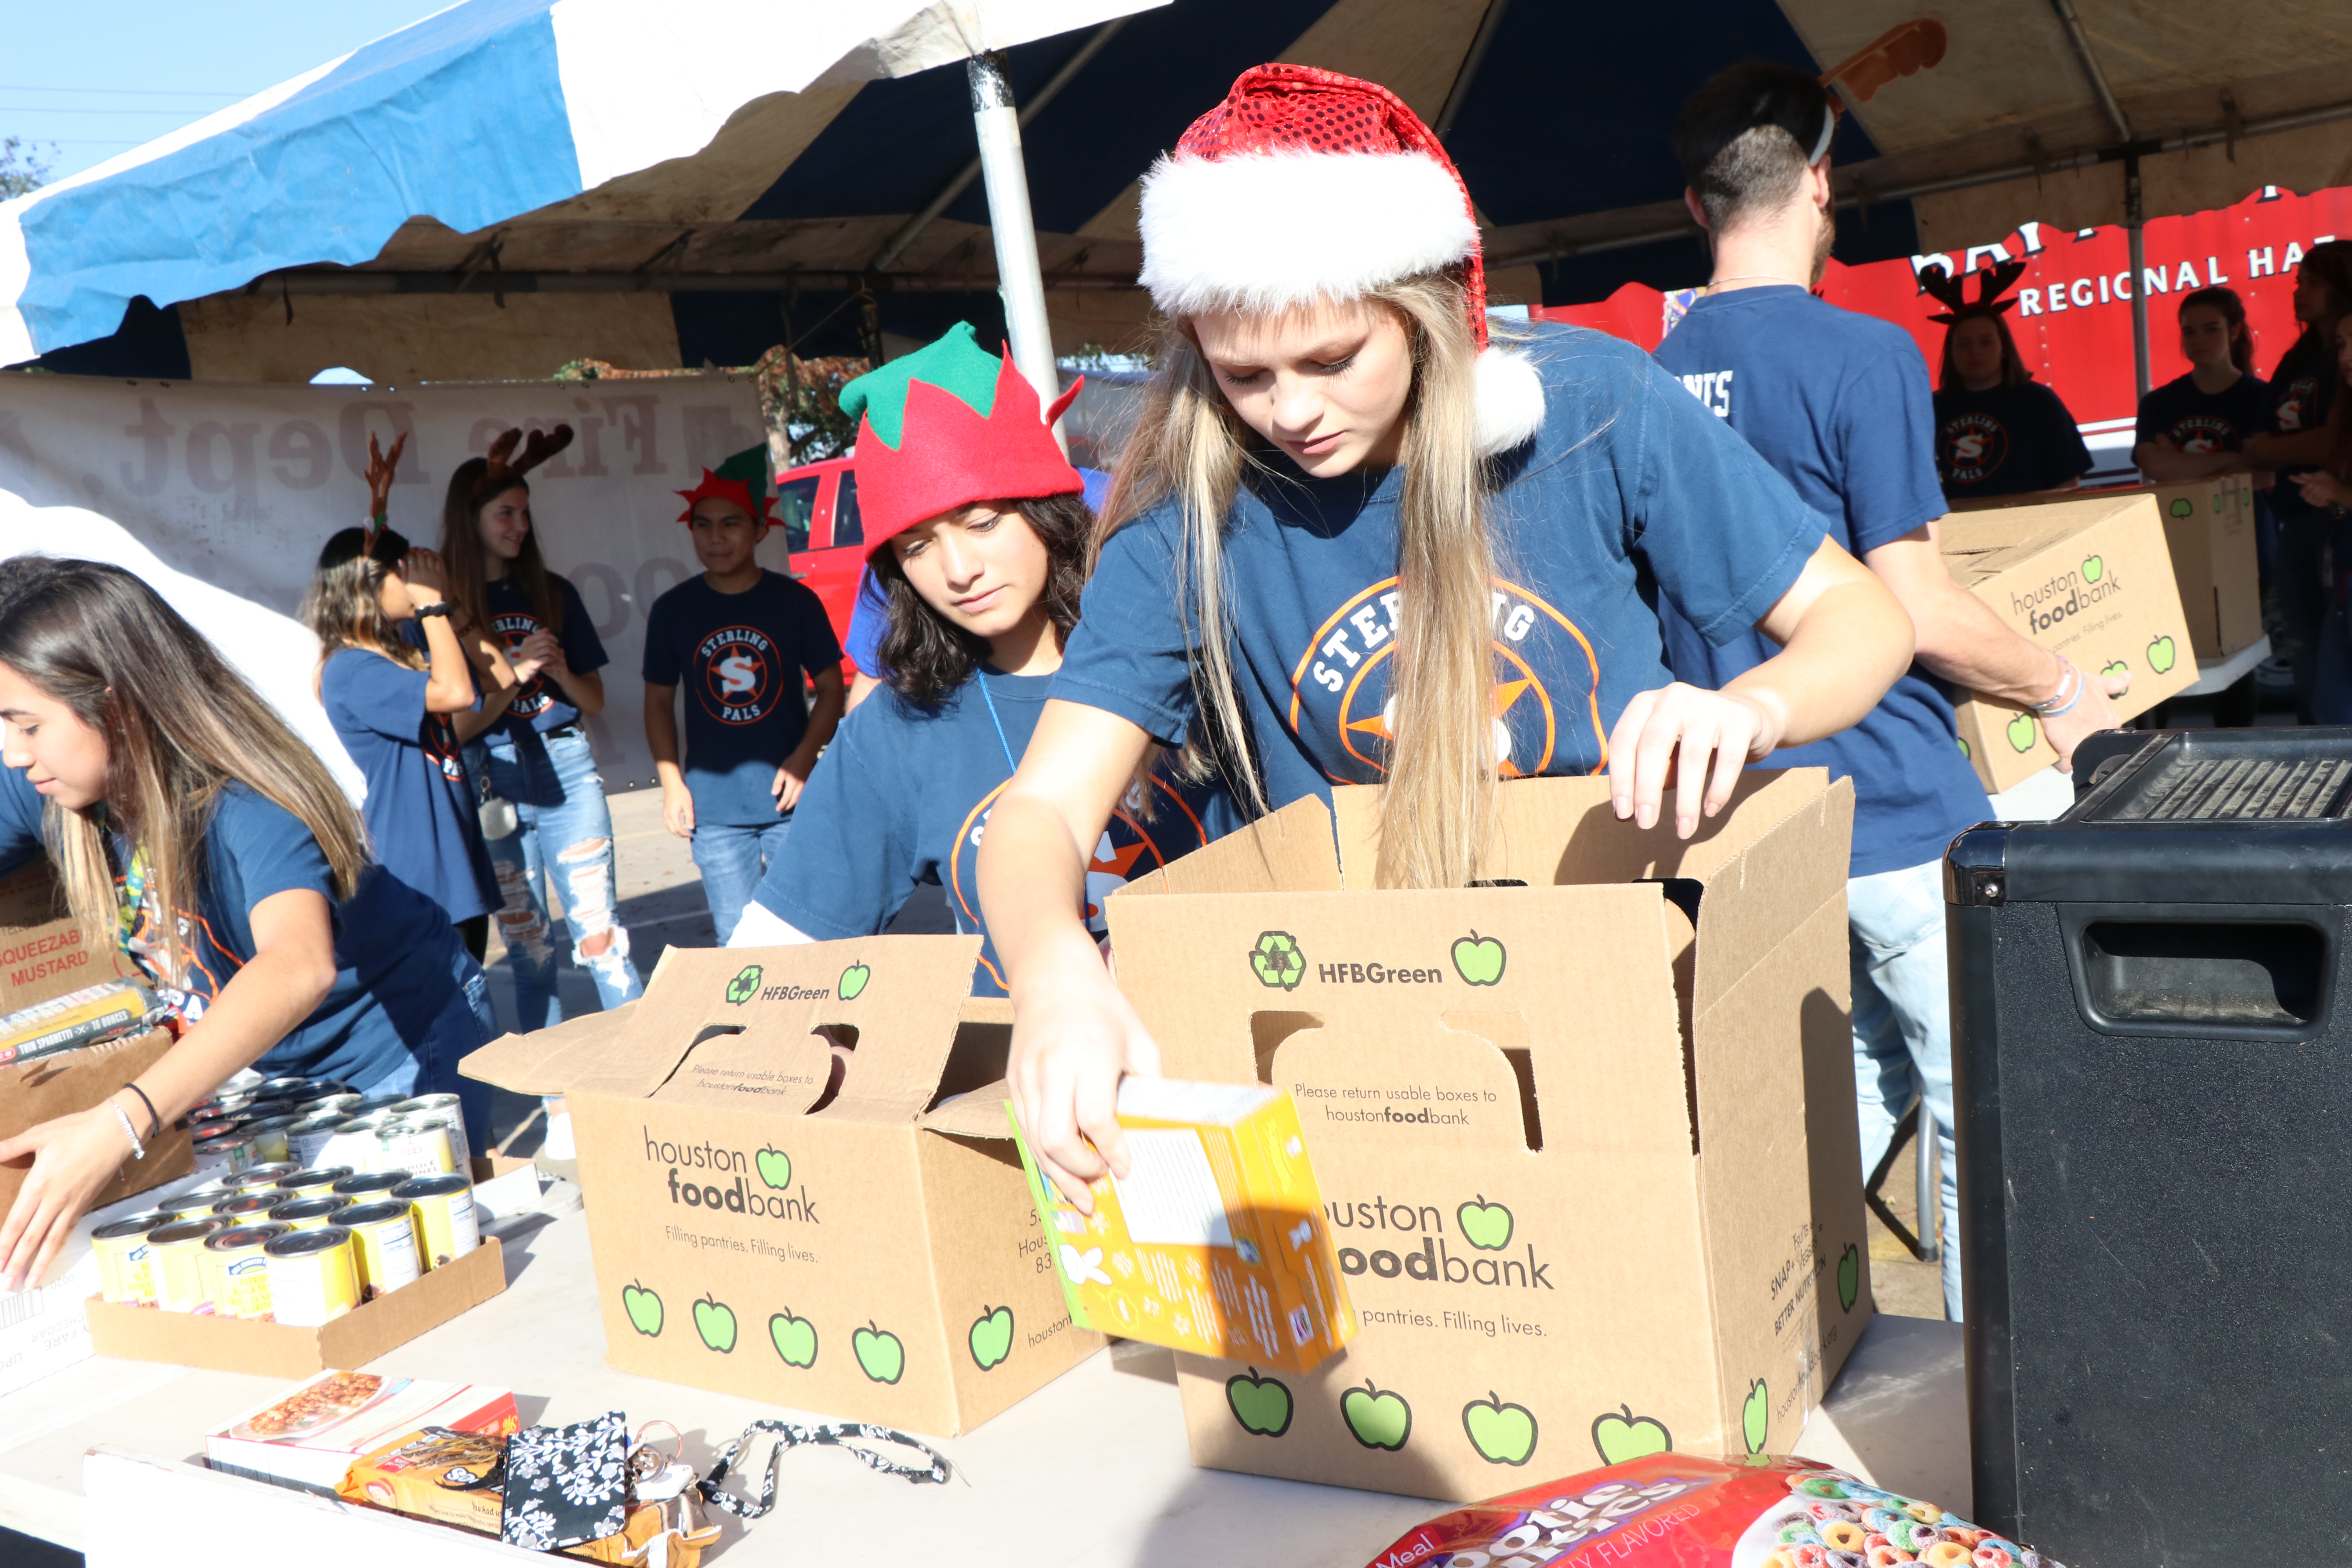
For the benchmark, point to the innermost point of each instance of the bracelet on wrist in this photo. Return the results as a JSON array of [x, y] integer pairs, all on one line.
[[2068, 692], [123, 1117], [154, 1121], [426, 612]]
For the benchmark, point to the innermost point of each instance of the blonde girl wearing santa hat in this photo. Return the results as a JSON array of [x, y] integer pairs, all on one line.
[[1353, 541]]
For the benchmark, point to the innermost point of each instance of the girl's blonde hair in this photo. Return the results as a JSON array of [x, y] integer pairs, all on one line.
[[179, 723], [1190, 444], [344, 603]]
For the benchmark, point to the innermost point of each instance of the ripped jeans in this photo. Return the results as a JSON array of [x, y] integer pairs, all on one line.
[[566, 835]]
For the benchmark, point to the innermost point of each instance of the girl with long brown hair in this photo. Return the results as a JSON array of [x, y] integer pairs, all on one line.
[[979, 534], [187, 821], [537, 754], [1353, 541]]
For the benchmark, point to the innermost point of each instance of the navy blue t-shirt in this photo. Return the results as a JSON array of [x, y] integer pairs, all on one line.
[[1839, 405], [2302, 393], [745, 659], [2006, 440], [397, 959], [1631, 493], [2197, 421], [904, 794], [540, 705], [420, 808]]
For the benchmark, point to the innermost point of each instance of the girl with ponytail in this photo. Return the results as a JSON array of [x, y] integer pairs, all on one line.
[[1354, 541]]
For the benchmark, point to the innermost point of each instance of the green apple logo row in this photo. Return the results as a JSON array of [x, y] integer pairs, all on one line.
[[1280, 965], [746, 984], [881, 1355], [2023, 732], [1500, 1432]]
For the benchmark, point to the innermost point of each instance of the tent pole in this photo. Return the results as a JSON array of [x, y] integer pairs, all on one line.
[[1019, 280], [2135, 231]]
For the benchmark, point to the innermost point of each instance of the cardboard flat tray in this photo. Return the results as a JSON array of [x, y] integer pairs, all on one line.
[[282, 1350]]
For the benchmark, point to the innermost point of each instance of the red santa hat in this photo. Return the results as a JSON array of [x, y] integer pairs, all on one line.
[[1306, 185]]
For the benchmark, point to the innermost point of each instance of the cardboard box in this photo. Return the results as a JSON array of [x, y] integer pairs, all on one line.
[[43, 1327], [43, 954], [874, 1256], [1593, 1170], [283, 1350], [1215, 1240], [350, 1415], [2090, 578], [2209, 527]]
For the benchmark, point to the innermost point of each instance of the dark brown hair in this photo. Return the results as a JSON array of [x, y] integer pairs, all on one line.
[[471, 488], [2012, 364], [180, 722], [926, 656], [344, 606], [2232, 311]]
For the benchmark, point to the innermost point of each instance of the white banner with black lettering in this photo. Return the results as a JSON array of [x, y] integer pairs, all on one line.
[[221, 495]]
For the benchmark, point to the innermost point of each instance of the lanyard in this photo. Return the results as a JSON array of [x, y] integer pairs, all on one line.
[[131, 902], [1012, 763]]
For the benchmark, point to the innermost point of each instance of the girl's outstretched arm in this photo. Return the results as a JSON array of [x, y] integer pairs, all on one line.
[[1073, 1033], [292, 969]]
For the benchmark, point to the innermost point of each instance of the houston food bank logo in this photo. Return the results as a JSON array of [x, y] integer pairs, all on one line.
[[708, 1176]]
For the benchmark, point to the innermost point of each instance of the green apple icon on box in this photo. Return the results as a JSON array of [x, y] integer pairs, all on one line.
[[1262, 1405], [1620, 1434], [1502, 1434], [1376, 1419], [794, 1338], [715, 1322], [1478, 959], [2161, 655], [745, 985], [879, 1354], [1849, 1276], [776, 1167], [2093, 568], [1484, 1224], [645, 1309], [1753, 1416], [1277, 960], [992, 1337], [2023, 732], [852, 982]]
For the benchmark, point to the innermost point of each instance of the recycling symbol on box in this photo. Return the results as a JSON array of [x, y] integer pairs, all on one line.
[[1277, 960]]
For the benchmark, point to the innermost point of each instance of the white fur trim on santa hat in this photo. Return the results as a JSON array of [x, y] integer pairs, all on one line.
[[1510, 400], [1266, 231]]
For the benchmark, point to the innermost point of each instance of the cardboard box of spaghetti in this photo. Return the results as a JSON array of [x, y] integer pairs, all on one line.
[[1586, 1142], [864, 1248], [2090, 578], [44, 955]]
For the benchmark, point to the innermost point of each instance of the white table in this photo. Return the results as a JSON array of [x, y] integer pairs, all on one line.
[[2219, 674], [1090, 1469]]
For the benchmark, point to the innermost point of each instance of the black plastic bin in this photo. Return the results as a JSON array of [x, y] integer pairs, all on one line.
[[2154, 1072]]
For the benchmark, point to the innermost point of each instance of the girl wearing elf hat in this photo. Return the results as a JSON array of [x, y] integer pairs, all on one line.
[[1354, 540], [979, 533]]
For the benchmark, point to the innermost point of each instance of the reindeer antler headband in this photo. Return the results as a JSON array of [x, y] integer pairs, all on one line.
[[505, 468], [1992, 282]]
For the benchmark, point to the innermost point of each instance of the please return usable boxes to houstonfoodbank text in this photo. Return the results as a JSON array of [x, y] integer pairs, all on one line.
[[2090, 578], [1592, 1169], [868, 1252]]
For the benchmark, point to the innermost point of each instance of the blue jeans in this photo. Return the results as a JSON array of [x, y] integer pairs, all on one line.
[[732, 860], [464, 1026], [566, 830], [1903, 1027]]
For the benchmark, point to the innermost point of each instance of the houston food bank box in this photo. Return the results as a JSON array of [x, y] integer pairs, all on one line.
[[870, 1252], [1593, 1168]]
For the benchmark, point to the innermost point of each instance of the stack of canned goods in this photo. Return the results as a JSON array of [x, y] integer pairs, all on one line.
[[287, 1244], [278, 1120]]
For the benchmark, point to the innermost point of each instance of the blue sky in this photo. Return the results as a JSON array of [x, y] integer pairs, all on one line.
[[98, 78]]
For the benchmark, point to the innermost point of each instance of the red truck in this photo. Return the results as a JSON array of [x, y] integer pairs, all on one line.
[[818, 505]]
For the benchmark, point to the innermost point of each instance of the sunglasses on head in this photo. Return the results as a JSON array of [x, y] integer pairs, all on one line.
[[382, 546]]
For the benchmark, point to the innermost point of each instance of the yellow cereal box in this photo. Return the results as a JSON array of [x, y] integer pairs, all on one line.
[[1216, 1243]]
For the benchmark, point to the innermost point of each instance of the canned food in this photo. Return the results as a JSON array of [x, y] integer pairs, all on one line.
[[377, 1102], [268, 1137], [211, 1111], [281, 1088], [314, 1276], [205, 1197], [385, 1236], [306, 1140], [336, 1105], [352, 1143], [126, 1272], [254, 1111], [312, 1182], [371, 1186], [237, 1271], [242, 1205], [445, 1110], [262, 1176], [169, 1210], [445, 1217], [311, 1213], [418, 1145], [223, 1149], [176, 1260]]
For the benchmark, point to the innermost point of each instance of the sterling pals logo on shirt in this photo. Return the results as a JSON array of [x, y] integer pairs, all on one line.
[[736, 671]]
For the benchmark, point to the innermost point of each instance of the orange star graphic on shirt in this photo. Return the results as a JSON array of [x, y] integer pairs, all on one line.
[[1504, 694]]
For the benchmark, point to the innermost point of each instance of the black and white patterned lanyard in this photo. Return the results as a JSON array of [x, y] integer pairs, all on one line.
[[829, 1434]]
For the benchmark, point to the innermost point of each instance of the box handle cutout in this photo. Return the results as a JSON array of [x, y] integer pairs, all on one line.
[[842, 1038], [713, 1031], [1268, 1030], [1508, 1033]]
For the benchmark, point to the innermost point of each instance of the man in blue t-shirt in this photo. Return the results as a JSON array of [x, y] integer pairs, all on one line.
[[742, 640], [1839, 405]]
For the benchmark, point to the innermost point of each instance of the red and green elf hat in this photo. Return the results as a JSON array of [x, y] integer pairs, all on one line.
[[947, 426], [741, 478]]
